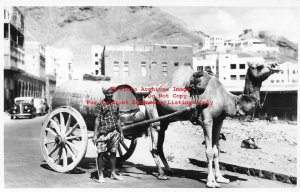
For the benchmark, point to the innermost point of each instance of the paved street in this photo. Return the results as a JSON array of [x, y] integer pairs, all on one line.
[[24, 166]]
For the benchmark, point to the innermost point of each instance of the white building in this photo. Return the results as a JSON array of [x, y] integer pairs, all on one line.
[[232, 71], [253, 45], [287, 78], [213, 43], [97, 51], [35, 59], [208, 61], [60, 63]]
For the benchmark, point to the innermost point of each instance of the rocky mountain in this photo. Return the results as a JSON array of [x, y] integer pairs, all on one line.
[[288, 50], [78, 28]]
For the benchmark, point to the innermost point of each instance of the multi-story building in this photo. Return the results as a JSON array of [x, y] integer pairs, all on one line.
[[59, 63], [213, 43], [35, 58], [51, 74], [253, 45], [17, 81], [140, 64], [279, 89], [13, 39], [233, 69], [287, 78], [97, 52], [205, 62]]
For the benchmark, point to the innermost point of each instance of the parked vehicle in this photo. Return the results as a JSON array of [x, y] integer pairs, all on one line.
[[23, 107], [40, 106]]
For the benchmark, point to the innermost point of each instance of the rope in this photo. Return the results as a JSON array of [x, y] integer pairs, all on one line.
[[262, 104]]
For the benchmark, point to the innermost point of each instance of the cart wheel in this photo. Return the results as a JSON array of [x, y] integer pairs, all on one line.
[[126, 148], [64, 139]]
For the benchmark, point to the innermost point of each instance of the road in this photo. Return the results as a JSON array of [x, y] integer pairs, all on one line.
[[24, 166]]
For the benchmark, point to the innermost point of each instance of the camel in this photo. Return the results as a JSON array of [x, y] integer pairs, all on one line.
[[210, 117]]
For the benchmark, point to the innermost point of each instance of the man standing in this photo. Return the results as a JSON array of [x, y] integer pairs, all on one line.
[[107, 133]]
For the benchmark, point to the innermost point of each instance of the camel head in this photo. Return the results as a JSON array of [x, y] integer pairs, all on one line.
[[198, 82], [261, 71]]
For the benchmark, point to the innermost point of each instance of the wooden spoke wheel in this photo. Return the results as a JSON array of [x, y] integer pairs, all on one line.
[[64, 139], [126, 148]]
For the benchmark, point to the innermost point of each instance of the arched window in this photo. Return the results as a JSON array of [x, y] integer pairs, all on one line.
[[143, 69], [126, 68]]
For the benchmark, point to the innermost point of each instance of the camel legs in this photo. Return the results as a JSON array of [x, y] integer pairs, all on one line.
[[154, 141], [216, 138], [160, 142], [207, 129]]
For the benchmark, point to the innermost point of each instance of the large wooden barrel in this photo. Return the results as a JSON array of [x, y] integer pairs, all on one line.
[[84, 95]]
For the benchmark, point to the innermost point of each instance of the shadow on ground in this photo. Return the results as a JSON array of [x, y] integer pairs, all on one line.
[[133, 170], [203, 164]]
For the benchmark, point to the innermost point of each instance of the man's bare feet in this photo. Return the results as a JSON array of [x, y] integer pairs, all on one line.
[[116, 177], [100, 180]]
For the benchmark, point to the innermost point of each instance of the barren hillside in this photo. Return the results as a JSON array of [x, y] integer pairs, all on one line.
[[78, 28]]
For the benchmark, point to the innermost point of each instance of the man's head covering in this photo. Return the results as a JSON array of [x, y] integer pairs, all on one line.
[[107, 89]]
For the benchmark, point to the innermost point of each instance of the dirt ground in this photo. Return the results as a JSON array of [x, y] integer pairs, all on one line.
[[278, 143]]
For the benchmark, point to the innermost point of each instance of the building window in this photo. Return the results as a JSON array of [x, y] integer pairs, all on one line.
[[176, 64], [6, 30], [126, 69], [233, 77], [277, 81], [242, 66], [200, 68], [115, 70], [96, 72], [294, 72], [281, 72], [282, 81], [116, 62], [96, 63], [272, 81], [174, 47], [165, 69], [96, 54], [153, 64], [232, 66], [163, 47], [242, 77], [143, 69]]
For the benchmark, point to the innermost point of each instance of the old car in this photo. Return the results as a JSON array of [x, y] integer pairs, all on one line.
[[23, 107], [39, 104]]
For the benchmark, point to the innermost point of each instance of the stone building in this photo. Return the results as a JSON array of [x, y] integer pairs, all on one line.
[[140, 65]]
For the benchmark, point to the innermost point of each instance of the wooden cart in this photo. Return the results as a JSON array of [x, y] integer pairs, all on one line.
[[66, 130]]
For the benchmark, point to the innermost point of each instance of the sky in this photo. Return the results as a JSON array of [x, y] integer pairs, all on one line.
[[230, 21]]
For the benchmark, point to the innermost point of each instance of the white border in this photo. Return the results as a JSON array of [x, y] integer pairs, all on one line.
[[186, 3]]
